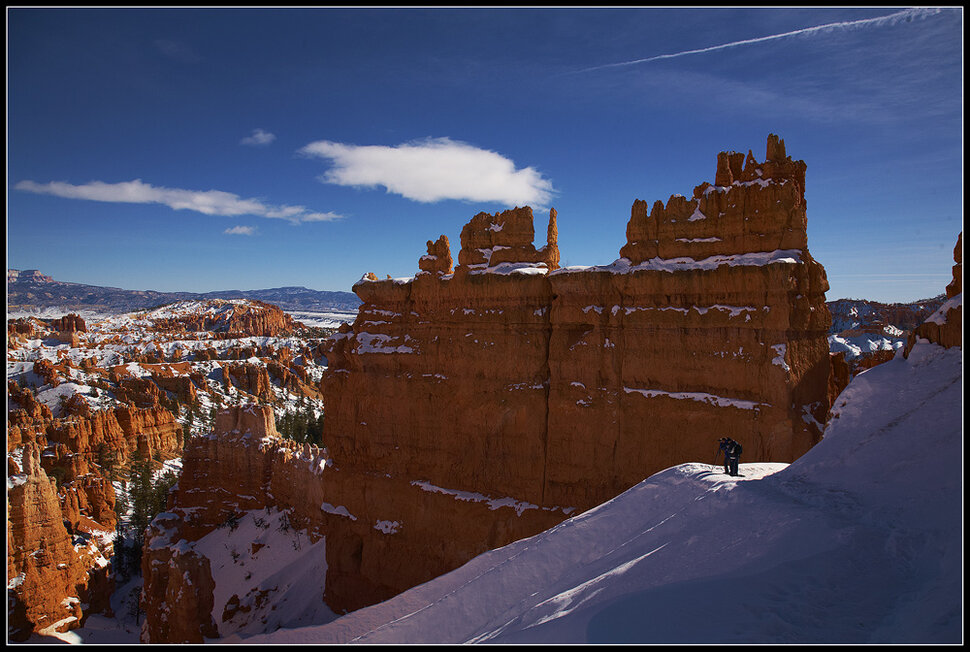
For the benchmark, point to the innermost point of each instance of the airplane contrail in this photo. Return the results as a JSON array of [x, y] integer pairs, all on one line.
[[907, 14]]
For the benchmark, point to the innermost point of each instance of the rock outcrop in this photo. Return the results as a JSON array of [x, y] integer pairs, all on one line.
[[49, 571], [468, 409], [945, 326], [27, 276], [61, 503], [566, 387], [229, 319], [438, 259], [506, 237], [64, 329], [69, 323], [563, 387], [244, 465]]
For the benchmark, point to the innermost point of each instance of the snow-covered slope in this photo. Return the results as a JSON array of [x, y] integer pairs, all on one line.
[[859, 541]]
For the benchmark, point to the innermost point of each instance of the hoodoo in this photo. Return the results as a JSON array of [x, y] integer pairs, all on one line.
[[470, 407], [564, 387]]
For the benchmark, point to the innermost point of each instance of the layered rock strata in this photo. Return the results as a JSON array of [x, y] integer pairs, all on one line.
[[469, 408], [565, 387], [230, 319], [60, 503], [53, 575], [367, 518]]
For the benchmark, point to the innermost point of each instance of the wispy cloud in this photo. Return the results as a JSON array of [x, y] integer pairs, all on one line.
[[208, 202], [258, 137], [177, 50], [241, 230], [906, 15], [433, 169]]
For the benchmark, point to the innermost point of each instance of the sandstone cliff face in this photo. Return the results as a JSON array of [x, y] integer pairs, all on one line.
[[222, 474], [58, 533], [252, 379], [563, 387], [49, 573], [371, 523], [471, 408]]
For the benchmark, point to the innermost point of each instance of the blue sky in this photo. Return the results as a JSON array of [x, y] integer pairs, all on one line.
[[210, 149]]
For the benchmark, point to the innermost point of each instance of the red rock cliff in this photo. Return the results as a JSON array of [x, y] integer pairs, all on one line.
[[468, 409], [565, 387], [232, 319], [57, 549], [50, 576]]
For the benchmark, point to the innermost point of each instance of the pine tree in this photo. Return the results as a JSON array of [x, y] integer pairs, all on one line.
[[147, 497], [139, 491], [106, 460]]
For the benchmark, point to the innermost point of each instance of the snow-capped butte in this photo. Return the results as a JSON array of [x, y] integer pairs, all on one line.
[[858, 541]]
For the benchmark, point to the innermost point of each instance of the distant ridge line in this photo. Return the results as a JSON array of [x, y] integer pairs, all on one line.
[[29, 289]]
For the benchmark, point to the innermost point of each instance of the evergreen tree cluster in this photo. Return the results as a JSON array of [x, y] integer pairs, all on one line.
[[147, 497], [301, 425]]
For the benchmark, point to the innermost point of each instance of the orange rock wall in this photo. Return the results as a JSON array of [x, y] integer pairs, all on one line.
[[49, 580], [372, 522], [470, 408], [44, 520], [565, 387]]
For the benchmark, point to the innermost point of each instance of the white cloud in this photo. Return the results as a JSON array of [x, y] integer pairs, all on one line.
[[432, 170], [258, 137], [208, 202], [241, 230], [320, 217]]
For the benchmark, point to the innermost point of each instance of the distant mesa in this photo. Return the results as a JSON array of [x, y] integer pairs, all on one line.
[[27, 276]]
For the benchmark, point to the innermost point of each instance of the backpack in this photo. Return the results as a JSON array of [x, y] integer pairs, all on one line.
[[737, 449]]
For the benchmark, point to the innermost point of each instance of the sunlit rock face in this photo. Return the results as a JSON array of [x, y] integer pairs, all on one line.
[[472, 406], [53, 576], [563, 387], [231, 318], [223, 474], [61, 504]]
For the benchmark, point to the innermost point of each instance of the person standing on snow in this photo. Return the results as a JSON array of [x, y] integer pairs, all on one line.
[[732, 455]]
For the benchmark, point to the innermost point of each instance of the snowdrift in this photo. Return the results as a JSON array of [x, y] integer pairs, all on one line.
[[858, 541]]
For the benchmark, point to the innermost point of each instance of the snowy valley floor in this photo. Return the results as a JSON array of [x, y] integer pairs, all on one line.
[[858, 541]]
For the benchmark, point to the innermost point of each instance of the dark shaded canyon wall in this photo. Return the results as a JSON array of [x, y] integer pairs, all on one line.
[[384, 533]]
